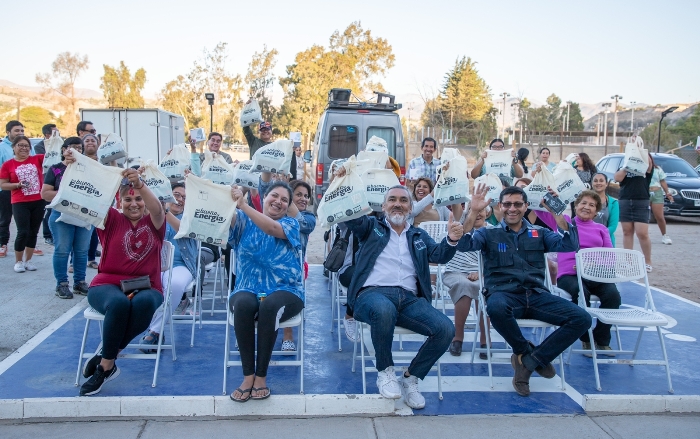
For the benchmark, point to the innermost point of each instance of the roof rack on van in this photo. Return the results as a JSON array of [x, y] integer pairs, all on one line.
[[340, 98]]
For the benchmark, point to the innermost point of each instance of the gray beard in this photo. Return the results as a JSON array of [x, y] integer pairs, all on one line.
[[397, 219]]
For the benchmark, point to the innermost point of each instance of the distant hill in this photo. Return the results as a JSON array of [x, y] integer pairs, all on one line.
[[643, 116], [83, 93]]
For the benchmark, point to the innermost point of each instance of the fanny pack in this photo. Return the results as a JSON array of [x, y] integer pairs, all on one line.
[[336, 257], [131, 287]]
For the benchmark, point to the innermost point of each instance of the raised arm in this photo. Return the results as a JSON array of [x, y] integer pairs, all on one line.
[[155, 209], [264, 222], [476, 170]]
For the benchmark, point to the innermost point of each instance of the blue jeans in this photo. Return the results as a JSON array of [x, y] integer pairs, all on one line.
[[387, 307], [68, 239], [504, 308]]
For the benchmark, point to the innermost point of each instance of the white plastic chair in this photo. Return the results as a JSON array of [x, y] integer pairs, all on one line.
[[437, 230], [612, 265], [296, 321], [338, 293], [90, 314], [522, 323]]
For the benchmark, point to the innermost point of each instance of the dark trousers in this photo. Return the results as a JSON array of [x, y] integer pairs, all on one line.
[[45, 225], [245, 306], [92, 250], [124, 318], [344, 278], [5, 216], [505, 308], [609, 299], [28, 218]]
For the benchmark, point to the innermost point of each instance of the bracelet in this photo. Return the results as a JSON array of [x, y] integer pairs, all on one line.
[[451, 241]]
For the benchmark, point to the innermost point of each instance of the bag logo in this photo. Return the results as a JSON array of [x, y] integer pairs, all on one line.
[[218, 169], [419, 244], [272, 152], [170, 162], [151, 182], [85, 187], [377, 188], [565, 185], [209, 215], [446, 182], [341, 191]]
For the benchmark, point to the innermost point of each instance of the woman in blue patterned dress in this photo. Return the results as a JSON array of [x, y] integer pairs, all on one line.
[[269, 284]]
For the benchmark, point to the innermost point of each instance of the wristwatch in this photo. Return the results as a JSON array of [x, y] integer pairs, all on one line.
[[451, 241]]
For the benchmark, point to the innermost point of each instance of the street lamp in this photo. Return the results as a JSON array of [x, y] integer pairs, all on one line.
[[633, 103], [210, 99], [514, 105], [663, 114], [616, 97], [503, 129], [606, 105], [568, 111]]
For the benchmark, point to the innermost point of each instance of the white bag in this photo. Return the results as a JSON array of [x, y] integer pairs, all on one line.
[[493, 183], [377, 183], [538, 188], [157, 182], [345, 199], [377, 144], [378, 158], [449, 153], [111, 149], [216, 169], [498, 162], [208, 212], [636, 159], [453, 184], [73, 221], [242, 175], [568, 183], [52, 154], [251, 114], [87, 190], [275, 157], [174, 164]]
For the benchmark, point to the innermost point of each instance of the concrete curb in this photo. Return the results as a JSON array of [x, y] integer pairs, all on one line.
[[641, 403], [195, 406]]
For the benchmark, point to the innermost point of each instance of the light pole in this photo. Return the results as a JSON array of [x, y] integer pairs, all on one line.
[[503, 128], [616, 97], [663, 114], [210, 99], [606, 105], [568, 111], [597, 130], [514, 105], [633, 103]]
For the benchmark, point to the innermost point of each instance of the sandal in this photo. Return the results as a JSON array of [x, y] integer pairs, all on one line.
[[648, 267], [242, 392], [257, 389], [93, 264]]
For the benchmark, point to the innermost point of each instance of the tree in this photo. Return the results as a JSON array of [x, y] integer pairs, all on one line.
[[669, 139], [64, 72], [554, 112], [353, 59], [688, 130], [575, 117], [260, 78], [33, 118], [120, 88]]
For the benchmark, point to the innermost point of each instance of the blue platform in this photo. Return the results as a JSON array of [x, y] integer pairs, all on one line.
[[48, 369]]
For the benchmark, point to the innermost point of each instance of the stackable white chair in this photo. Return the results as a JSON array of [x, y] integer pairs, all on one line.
[[522, 323], [90, 314], [612, 265], [298, 355], [339, 294], [437, 230]]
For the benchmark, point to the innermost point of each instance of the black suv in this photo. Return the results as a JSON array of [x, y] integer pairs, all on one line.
[[683, 182]]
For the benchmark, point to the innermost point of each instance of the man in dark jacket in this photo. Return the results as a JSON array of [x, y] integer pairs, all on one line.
[[255, 143], [47, 130], [391, 287], [514, 281]]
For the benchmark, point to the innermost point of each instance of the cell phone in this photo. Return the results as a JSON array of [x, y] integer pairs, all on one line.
[[554, 203]]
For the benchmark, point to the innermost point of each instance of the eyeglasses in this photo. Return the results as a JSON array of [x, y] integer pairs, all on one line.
[[509, 204], [179, 197], [23, 146], [92, 131], [497, 146]]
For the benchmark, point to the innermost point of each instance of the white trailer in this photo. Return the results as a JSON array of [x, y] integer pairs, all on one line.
[[148, 133]]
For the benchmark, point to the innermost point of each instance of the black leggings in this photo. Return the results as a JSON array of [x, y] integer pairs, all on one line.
[[345, 278], [124, 318], [245, 306], [28, 218]]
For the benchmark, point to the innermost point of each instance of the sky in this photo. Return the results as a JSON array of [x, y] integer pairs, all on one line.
[[645, 51]]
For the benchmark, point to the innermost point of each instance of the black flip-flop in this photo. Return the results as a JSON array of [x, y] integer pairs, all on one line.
[[243, 392], [257, 389]]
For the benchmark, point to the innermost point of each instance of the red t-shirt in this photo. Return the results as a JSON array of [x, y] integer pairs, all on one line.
[[129, 251], [29, 171]]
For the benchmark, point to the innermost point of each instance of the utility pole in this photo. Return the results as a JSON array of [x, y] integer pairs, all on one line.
[[606, 105], [513, 106], [503, 128], [409, 106], [616, 97], [633, 103], [597, 130], [568, 110]]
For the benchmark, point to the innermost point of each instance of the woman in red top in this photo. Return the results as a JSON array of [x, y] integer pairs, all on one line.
[[23, 175], [131, 243]]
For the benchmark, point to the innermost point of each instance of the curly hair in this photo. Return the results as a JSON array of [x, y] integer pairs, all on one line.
[[427, 181], [587, 163]]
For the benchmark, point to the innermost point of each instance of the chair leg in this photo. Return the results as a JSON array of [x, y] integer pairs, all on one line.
[[636, 346], [595, 360], [227, 348], [477, 330], [487, 331], [362, 359], [439, 377], [561, 372], [663, 350], [82, 352], [331, 288], [301, 355], [354, 354], [337, 313], [617, 335]]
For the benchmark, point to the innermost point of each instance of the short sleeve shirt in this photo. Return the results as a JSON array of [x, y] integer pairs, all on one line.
[[54, 175], [656, 177], [28, 171], [265, 264], [420, 168]]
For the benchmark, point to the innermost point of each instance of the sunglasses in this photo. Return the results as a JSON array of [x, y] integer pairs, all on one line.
[[509, 204], [92, 131]]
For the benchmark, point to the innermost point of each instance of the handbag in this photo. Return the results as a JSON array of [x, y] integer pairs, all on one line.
[[336, 257], [132, 286]]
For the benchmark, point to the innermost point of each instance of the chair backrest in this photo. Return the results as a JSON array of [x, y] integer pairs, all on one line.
[[436, 229], [610, 265], [167, 254]]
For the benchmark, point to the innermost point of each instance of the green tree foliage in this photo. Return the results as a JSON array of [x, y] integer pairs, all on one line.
[[61, 81], [650, 134], [353, 59], [120, 88], [554, 112], [185, 94], [33, 118], [688, 130], [575, 117], [463, 105], [260, 79]]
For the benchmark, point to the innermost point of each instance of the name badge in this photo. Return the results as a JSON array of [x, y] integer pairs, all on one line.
[[419, 244], [533, 233]]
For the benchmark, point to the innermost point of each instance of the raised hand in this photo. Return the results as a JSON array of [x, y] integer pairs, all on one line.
[[455, 230], [133, 177], [484, 154], [479, 200], [512, 152], [68, 156], [237, 195]]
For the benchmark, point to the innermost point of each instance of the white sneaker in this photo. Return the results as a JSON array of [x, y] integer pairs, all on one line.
[[388, 384], [666, 240], [19, 267], [29, 266], [411, 395], [350, 329]]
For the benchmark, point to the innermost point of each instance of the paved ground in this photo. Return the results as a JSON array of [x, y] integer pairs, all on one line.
[[445, 427]]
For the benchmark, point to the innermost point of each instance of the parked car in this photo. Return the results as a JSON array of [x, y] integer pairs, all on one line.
[[683, 182], [344, 129], [697, 169]]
